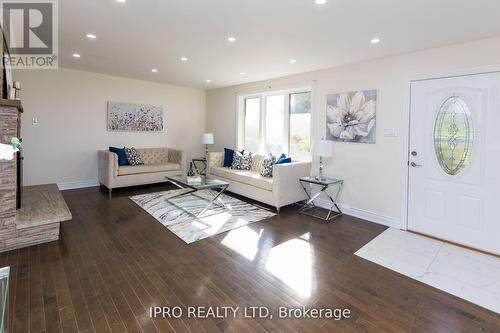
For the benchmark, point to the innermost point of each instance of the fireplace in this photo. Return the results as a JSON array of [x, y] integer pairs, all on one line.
[[10, 170]]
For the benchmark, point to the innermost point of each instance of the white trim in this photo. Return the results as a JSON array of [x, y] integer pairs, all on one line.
[[405, 135], [268, 87], [459, 72], [362, 214], [78, 184]]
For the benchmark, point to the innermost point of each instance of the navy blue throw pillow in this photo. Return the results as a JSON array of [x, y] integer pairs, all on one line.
[[283, 159], [228, 157], [122, 158]]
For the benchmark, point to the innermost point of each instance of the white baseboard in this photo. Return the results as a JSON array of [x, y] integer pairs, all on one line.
[[362, 214], [79, 184]]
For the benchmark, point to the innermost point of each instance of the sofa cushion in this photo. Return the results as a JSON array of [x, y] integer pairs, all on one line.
[[228, 156], [283, 159], [244, 176], [133, 156], [154, 155], [266, 169], [242, 161], [120, 152], [147, 168], [257, 162]]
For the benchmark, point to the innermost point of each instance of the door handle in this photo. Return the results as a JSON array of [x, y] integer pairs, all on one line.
[[415, 165]]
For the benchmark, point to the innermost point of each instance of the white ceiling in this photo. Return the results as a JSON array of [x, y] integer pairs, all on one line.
[[138, 35]]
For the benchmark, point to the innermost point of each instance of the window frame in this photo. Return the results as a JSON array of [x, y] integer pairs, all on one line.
[[241, 112], [244, 118]]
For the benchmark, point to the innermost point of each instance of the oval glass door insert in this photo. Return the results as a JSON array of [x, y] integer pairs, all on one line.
[[453, 135]]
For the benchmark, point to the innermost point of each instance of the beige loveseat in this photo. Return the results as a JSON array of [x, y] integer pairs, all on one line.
[[158, 163], [280, 190]]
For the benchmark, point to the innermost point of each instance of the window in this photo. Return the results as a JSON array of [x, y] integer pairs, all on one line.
[[275, 129], [300, 125], [453, 135], [252, 124], [276, 122]]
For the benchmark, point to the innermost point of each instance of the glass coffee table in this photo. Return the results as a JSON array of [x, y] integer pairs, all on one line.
[[215, 186]]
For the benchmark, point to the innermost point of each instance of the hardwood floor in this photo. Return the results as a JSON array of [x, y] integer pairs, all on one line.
[[114, 261]]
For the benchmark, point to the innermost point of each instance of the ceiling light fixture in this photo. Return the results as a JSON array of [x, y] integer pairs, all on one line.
[[231, 39], [293, 61], [91, 36], [375, 40], [184, 59], [121, 1], [320, 2], [208, 81], [76, 55], [154, 70], [242, 73]]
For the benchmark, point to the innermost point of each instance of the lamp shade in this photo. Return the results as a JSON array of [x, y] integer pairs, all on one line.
[[207, 139], [323, 148]]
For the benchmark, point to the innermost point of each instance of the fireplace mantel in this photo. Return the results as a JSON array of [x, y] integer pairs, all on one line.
[[12, 103]]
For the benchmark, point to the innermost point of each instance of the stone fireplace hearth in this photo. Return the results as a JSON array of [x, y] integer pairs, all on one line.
[[43, 207]]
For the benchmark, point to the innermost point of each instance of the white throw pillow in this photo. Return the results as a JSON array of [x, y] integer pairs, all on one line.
[[266, 169]]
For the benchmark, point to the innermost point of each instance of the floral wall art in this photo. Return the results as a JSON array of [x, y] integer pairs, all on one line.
[[350, 117], [134, 117]]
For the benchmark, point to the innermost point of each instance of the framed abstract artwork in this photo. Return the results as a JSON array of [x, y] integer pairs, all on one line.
[[351, 116], [134, 117]]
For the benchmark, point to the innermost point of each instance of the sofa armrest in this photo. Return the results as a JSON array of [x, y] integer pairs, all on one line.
[[107, 167], [178, 157], [286, 185], [214, 160]]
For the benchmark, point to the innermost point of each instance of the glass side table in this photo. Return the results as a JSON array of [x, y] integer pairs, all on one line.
[[329, 186]]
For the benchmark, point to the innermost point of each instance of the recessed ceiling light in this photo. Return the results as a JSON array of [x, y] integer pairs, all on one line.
[[231, 39], [208, 81], [184, 59], [320, 2], [293, 61], [154, 70], [91, 36], [375, 40], [122, 1], [242, 73], [77, 55]]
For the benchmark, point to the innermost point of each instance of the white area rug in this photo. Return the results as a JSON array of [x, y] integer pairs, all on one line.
[[467, 274], [179, 214]]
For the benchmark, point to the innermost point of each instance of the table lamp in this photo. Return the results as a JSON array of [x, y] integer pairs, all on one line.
[[207, 139], [322, 148]]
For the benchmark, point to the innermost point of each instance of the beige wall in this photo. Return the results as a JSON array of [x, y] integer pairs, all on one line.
[[71, 109], [372, 173]]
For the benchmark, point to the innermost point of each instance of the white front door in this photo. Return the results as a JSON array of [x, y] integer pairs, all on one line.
[[454, 156]]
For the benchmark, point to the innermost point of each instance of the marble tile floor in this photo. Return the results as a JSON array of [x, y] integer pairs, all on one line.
[[464, 273]]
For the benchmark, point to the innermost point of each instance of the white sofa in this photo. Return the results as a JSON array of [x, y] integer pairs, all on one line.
[[280, 190], [158, 163]]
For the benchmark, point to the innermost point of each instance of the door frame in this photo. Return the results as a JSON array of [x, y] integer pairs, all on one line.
[[406, 126]]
